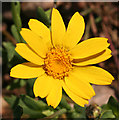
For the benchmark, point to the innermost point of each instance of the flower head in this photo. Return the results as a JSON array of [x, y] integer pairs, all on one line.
[[58, 61]]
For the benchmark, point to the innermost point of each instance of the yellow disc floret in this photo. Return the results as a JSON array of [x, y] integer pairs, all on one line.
[[58, 63]]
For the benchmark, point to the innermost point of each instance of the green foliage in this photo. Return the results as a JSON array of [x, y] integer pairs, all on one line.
[[107, 114], [48, 13], [17, 112], [16, 14], [48, 112], [111, 109], [80, 110], [16, 27], [114, 106], [64, 104], [16, 34], [29, 87], [33, 104], [13, 101], [10, 50], [44, 16], [16, 83], [30, 106]]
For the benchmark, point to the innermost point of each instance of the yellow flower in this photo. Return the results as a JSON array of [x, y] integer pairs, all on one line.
[[58, 61]]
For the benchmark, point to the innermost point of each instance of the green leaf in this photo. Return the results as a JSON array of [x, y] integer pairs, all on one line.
[[80, 110], [16, 14], [17, 59], [114, 106], [16, 83], [75, 115], [48, 112], [17, 112], [107, 114], [43, 17], [33, 104], [10, 50], [17, 6], [56, 114], [15, 33], [48, 13], [64, 104], [29, 86], [4, 57], [31, 112], [13, 101]]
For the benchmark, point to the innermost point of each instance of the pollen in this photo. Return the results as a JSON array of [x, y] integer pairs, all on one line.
[[58, 63]]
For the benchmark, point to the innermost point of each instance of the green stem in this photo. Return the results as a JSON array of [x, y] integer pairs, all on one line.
[[60, 112]]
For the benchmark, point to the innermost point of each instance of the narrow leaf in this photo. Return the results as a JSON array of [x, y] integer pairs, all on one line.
[[10, 50], [16, 15], [15, 33], [43, 17], [114, 105], [48, 112], [33, 104], [17, 112], [107, 114], [64, 104], [13, 101], [48, 13], [28, 111]]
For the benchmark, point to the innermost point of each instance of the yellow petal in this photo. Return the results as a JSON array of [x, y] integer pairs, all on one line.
[[43, 85], [35, 42], [57, 27], [41, 30], [97, 58], [55, 95], [74, 32], [93, 75], [26, 70], [80, 87], [89, 47], [80, 101], [26, 52]]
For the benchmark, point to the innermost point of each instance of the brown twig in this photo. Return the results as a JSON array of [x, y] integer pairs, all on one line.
[[93, 25], [9, 36], [86, 36], [111, 45]]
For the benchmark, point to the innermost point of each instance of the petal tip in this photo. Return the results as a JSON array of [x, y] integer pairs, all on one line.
[[54, 107], [10, 73], [22, 29], [31, 20], [35, 95], [78, 14], [53, 9], [112, 77]]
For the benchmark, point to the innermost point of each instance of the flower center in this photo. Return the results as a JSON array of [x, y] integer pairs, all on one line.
[[58, 63]]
